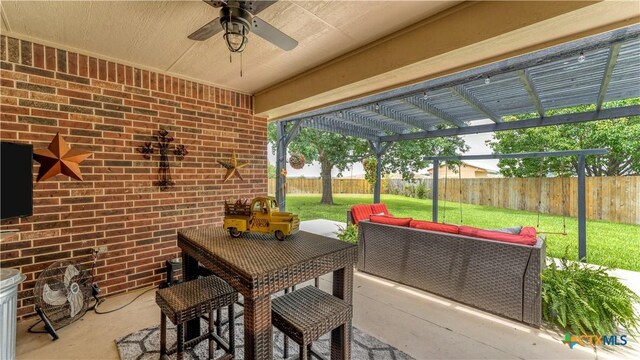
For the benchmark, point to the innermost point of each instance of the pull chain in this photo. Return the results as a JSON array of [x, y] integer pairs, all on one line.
[[240, 64]]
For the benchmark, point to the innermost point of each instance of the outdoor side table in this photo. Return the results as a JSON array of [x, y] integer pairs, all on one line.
[[258, 265]]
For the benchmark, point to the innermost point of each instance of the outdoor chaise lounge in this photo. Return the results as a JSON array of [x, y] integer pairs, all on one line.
[[493, 275]]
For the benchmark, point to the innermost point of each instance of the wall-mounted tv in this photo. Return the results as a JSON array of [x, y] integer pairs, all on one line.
[[16, 180]]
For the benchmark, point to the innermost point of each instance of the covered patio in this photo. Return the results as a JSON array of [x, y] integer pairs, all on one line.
[[423, 325], [149, 122]]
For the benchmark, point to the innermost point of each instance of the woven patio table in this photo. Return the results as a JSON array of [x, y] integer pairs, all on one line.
[[258, 265]]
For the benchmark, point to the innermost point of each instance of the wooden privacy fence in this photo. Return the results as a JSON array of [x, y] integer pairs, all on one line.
[[314, 186], [615, 198]]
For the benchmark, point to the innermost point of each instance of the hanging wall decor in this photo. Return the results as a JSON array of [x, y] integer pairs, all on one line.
[[59, 158], [232, 167], [164, 169]]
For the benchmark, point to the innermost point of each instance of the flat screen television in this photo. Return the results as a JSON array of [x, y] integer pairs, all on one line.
[[16, 180]]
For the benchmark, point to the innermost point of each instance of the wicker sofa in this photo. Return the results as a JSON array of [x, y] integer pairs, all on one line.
[[499, 277]]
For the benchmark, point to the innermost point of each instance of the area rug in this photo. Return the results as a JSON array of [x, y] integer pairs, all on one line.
[[145, 344]]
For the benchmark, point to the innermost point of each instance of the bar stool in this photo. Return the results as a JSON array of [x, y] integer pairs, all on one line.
[[190, 300], [306, 314]]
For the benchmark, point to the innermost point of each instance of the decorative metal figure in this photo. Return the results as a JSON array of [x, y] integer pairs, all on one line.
[[164, 168]]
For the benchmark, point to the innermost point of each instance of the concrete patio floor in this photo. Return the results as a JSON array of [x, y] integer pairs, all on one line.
[[421, 324]]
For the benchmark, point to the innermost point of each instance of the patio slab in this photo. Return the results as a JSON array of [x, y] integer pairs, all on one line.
[[421, 324]]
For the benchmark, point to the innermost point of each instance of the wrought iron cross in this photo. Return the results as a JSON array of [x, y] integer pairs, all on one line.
[[164, 170]]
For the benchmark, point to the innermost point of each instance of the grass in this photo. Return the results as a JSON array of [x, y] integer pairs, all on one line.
[[610, 244]]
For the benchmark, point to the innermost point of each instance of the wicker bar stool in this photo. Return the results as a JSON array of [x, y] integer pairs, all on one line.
[[306, 314], [190, 300]]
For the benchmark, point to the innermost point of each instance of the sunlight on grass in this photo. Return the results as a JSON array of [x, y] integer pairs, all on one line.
[[610, 244]]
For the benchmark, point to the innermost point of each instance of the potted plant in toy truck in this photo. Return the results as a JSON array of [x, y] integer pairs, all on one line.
[[262, 216]]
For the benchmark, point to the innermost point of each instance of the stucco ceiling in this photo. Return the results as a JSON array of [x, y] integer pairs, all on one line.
[[153, 34]]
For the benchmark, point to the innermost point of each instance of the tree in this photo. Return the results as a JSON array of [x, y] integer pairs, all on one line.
[[407, 157], [333, 150], [329, 149], [620, 136], [271, 171]]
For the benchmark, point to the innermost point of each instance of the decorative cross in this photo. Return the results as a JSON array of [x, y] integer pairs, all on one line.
[[164, 172]]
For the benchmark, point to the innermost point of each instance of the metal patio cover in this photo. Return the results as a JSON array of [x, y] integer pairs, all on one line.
[[477, 100]]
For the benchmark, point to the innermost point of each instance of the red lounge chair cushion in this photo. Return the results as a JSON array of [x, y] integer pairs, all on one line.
[[390, 220], [431, 226], [496, 235], [379, 209], [360, 212]]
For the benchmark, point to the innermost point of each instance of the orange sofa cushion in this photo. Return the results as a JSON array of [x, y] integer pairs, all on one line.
[[390, 220], [431, 226], [496, 236]]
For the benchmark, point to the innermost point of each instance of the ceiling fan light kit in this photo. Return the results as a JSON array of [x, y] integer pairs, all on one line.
[[236, 23]]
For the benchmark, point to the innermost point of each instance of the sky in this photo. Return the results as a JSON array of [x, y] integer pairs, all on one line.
[[476, 144]]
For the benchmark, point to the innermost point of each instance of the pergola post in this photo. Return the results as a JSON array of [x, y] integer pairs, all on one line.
[[582, 211], [281, 158], [283, 141], [376, 189], [434, 190], [378, 150]]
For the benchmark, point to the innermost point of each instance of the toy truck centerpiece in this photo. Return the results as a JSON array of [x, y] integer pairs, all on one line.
[[262, 216]]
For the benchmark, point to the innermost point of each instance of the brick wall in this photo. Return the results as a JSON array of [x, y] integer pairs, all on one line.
[[111, 109]]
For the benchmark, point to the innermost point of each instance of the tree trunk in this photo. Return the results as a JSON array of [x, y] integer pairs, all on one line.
[[325, 174]]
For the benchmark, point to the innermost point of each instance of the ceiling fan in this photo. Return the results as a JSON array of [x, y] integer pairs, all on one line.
[[237, 19]]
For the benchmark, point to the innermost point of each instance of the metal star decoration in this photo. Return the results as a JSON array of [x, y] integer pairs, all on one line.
[[232, 167], [58, 158]]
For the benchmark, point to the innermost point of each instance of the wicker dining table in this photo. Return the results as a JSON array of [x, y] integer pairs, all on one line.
[[258, 265]]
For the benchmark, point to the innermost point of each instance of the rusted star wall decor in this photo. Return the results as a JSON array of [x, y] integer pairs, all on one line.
[[232, 167], [164, 169], [58, 158]]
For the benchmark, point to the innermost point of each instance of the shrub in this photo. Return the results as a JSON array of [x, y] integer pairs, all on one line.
[[421, 191], [348, 234], [410, 190], [586, 300]]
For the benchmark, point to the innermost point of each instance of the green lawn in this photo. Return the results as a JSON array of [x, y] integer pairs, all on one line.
[[610, 244]]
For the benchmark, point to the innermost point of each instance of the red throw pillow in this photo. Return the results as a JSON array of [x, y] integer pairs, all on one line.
[[497, 236], [390, 220], [528, 231], [431, 226], [379, 209], [360, 212]]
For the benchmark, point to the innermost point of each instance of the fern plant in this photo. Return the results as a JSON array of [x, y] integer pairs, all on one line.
[[586, 301], [348, 234]]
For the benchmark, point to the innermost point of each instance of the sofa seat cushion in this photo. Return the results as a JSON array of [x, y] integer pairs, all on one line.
[[431, 226], [496, 236], [360, 212], [390, 220]]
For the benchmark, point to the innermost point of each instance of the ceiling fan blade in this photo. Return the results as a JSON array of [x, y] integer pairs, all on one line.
[[211, 28], [272, 35], [215, 4], [254, 7]]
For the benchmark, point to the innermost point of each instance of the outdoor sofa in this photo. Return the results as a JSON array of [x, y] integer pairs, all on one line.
[[499, 277]]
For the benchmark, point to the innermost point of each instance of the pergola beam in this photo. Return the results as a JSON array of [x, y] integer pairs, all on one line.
[[340, 128], [467, 96], [604, 114], [611, 64], [380, 125], [428, 108], [397, 116], [527, 81]]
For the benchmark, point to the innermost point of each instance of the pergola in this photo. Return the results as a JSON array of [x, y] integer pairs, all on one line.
[[591, 71]]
